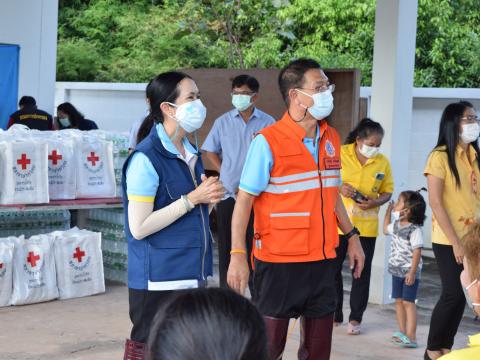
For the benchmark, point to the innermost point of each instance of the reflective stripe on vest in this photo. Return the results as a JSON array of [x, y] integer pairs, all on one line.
[[308, 181]]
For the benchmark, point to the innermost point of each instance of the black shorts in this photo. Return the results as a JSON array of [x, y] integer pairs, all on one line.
[[290, 290]]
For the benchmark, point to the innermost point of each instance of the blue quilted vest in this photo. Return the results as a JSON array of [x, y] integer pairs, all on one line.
[[182, 250]]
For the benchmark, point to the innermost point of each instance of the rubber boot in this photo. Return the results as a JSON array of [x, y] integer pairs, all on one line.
[[277, 330], [134, 350], [316, 338]]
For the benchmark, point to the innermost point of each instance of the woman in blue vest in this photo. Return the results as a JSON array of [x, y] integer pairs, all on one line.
[[166, 198]]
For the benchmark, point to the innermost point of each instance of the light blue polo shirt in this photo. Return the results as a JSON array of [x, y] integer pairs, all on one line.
[[259, 162], [142, 178], [230, 138]]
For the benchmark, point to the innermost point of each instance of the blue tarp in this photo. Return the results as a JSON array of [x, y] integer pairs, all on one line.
[[9, 60]]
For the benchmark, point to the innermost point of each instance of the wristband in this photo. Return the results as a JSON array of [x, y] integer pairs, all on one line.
[[238, 251], [352, 232], [188, 204]]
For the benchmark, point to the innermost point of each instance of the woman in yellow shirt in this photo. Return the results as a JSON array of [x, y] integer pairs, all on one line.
[[470, 279], [367, 185], [452, 173]]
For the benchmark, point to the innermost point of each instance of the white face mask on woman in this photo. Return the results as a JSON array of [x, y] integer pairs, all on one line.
[[369, 151], [190, 116], [470, 132]]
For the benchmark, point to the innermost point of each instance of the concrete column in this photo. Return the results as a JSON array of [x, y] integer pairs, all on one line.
[[392, 87], [33, 26]]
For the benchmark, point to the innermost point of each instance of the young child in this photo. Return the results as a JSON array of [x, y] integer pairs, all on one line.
[[405, 260]]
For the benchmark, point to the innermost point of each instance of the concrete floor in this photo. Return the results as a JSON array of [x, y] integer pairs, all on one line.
[[96, 327]]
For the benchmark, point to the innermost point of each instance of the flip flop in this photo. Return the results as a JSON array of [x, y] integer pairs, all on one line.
[[353, 329], [405, 342], [397, 337]]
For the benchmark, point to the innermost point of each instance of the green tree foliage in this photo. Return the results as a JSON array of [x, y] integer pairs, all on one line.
[[133, 40]]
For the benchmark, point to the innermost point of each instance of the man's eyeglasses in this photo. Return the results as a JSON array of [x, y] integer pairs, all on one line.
[[322, 88]]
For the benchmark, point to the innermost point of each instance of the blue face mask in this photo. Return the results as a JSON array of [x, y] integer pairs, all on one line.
[[322, 104], [241, 102], [190, 116]]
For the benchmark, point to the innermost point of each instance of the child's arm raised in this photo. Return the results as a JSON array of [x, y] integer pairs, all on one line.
[[387, 220]]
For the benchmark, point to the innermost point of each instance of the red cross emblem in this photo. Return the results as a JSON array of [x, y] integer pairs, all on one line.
[[24, 161], [78, 254], [93, 158], [32, 258], [54, 157]]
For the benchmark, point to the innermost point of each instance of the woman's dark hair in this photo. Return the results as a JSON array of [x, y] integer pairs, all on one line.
[[163, 88], [364, 129], [74, 115], [449, 134], [415, 202], [208, 324]]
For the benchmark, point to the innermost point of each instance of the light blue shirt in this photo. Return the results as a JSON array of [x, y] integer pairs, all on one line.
[[259, 162], [230, 138], [142, 178]]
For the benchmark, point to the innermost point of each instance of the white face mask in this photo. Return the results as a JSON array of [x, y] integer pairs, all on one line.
[[65, 122], [241, 102], [322, 104], [369, 151], [470, 132], [396, 215], [190, 116]]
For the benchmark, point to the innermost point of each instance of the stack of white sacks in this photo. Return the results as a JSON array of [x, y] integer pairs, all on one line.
[[39, 166], [62, 264]]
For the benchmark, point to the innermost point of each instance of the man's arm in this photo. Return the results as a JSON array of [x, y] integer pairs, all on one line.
[[214, 160], [238, 272], [356, 255]]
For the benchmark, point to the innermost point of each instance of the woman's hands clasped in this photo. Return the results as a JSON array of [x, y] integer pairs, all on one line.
[[210, 191]]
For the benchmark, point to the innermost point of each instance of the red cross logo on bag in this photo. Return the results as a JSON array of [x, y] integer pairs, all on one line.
[[54, 157], [32, 259], [24, 161], [78, 254], [93, 158]]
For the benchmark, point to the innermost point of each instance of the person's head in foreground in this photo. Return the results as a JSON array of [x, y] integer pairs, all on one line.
[[306, 90], [208, 324], [470, 276]]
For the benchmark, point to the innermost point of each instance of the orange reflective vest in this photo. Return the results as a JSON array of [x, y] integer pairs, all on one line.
[[295, 219]]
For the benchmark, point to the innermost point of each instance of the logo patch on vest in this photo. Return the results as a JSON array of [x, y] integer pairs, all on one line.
[[329, 148]]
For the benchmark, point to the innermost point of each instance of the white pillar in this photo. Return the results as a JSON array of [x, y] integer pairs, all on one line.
[[392, 86], [33, 26]]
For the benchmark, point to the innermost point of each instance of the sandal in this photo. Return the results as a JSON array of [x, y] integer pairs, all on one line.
[[405, 341], [353, 329], [397, 337]]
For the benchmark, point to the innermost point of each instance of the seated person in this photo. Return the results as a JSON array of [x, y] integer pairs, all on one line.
[[208, 324], [68, 117], [29, 115]]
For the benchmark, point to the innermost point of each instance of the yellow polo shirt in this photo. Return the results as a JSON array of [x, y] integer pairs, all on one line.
[[470, 353], [462, 203], [363, 178]]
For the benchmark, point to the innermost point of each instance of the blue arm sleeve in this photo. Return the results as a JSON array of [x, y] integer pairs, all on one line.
[[142, 179], [258, 164]]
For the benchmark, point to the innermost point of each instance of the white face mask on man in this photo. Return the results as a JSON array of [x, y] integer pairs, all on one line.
[[322, 104]]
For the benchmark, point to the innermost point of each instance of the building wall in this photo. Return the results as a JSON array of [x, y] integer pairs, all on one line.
[[33, 26]]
